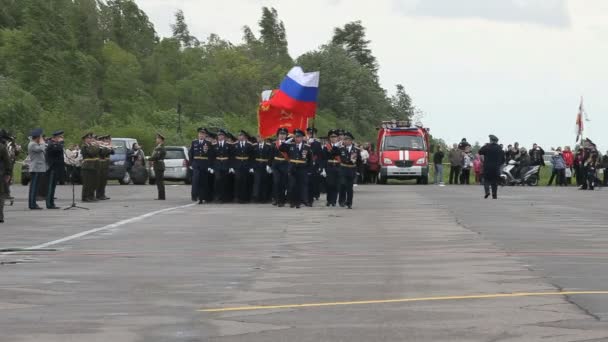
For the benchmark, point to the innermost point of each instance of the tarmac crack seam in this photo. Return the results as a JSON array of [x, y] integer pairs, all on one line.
[[406, 300], [95, 230]]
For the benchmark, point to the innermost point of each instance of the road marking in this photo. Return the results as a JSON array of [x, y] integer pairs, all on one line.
[[406, 300], [95, 230]]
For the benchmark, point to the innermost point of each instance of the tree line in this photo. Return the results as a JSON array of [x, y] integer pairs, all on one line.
[[99, 65]]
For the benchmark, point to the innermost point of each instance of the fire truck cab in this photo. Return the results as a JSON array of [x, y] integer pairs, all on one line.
[[403, 152]]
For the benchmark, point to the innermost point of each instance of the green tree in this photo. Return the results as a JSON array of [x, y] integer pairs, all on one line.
[[19, 109], [352, 38], [181, 31], [401, 104]]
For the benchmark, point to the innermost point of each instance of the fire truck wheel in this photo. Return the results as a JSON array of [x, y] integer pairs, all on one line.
[[424, 180], [381, 180]]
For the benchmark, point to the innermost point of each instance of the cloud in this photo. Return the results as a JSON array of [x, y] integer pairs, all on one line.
[[550, 13]]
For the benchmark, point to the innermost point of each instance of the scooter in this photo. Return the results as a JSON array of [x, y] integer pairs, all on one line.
[[530, 177]]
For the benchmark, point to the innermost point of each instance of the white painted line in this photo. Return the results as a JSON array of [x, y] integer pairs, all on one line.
[[95, 230]]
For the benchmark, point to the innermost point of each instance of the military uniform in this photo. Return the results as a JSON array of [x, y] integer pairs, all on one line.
[[5, 170], [262, 179], [201, 159], [104, 168], [158, 158], [221, 167], [243, 167], [494, 158], [280, 171], [314, 172], [88, 169], [55, 160], [299, 164], [331, 166], [350, 160]]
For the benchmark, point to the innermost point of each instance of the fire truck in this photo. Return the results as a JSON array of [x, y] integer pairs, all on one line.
[[403, 151]]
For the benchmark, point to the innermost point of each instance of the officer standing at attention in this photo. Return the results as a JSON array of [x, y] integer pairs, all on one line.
[[494, 158], [88, 169], [299, 162], [262, 171], [55, 161], [105, 151], [201, 158], [350, 160], [243, 167], [158, 159], [314, 173], [222, 166], [280, 169], [331, 167], [5, 171]]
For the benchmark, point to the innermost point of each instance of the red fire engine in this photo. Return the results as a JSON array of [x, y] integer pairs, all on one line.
[[403, 151]]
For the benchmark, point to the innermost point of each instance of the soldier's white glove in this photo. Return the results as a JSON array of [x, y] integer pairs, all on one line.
[[288, 141], [231, 170], [268, 169], [323, 173], [250, 170], [210, 170], [311, 140]]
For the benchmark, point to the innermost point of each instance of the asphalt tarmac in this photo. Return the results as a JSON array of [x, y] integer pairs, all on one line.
[[408, 263]]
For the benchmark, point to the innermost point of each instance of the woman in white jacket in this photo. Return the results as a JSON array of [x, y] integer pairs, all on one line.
[[37, 165]]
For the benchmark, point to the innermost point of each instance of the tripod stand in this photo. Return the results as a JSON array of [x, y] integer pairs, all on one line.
[[73, 205]]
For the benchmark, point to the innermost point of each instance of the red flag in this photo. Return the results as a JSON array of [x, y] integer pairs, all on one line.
[[271, 118]]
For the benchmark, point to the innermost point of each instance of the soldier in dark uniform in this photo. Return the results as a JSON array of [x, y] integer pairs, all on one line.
[[55, 161], [222, 166], [158, 160], [280, 169], [494, 158], [230, 180], [243, 167], [300, 155], [105, 151], [201, 159], [350, 160], [5, 171], [331, 167], [314, 173], [262, 153], [88, 168], [212, 140]]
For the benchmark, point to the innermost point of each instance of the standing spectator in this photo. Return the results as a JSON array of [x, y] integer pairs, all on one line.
[[478, 169], [579, 168], [537, 155], [455, 158], [36, 150], [363, 166], [569, 159], [464, 144], [438, 162], [559, 168], [605, 167], [467, 164]]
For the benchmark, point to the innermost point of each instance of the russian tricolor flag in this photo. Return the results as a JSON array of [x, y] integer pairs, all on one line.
[[298, 93]]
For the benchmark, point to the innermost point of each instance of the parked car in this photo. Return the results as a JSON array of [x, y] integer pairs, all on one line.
[[177, 166], [118, 160]]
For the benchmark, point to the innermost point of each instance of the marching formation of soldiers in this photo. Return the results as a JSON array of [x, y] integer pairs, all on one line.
[[285, 170]]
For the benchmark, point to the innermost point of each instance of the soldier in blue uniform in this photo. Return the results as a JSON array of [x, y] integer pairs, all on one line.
[[201, 159], [300, 155], [243, 167], [350, 160], [222, 167], [262, 179], [314, 172], [280, 168], [331, 167]]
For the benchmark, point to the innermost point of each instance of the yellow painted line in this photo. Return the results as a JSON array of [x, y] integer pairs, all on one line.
[[406, 300]]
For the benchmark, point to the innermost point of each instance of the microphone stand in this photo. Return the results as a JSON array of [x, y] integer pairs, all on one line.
[[73, 205]]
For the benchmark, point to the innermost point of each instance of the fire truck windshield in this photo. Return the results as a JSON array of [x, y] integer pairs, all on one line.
[[403, 142]]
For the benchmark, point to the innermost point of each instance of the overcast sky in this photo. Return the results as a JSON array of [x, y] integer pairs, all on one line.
[[513, 68]]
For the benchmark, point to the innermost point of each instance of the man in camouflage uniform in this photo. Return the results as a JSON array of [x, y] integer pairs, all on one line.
[[105, 150], [158, 160]]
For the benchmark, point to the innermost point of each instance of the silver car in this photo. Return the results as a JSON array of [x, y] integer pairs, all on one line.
[[177, 165]]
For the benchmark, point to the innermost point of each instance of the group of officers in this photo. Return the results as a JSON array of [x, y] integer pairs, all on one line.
[[95, 165], [288, 169]]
